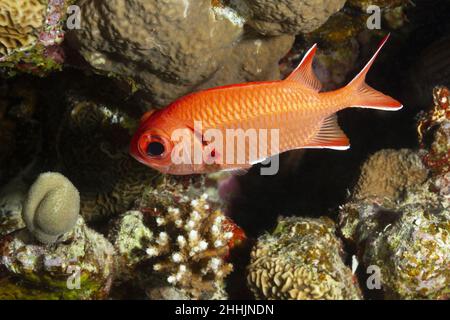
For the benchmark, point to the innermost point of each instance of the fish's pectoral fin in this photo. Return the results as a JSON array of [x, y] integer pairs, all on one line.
[[304, 73], [238, 171], [330, 136]]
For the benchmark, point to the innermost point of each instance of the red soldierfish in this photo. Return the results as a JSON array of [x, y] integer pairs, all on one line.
[[303, 116]]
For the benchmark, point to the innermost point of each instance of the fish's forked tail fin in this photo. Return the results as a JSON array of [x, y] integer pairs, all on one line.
[[364, 96]]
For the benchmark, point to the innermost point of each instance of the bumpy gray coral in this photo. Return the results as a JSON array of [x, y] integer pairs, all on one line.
[[51, 208], [275, 17], [170, 48], [302, 259]]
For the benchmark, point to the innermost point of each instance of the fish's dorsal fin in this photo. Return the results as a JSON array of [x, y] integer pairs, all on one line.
[[330, 136], [304, 73], [147, 115]]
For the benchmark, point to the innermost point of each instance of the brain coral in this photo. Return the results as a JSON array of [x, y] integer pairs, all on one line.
[[19, 21], [301, 260]]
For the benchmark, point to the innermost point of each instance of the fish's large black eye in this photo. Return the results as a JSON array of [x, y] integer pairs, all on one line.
[[155, 149]]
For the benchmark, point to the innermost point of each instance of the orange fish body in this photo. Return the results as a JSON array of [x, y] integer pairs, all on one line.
[[293, 113]]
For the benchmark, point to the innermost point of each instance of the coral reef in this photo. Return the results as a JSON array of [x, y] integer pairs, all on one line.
[[287, 16], [30, 34], [389, 173], [51, 208], [408, 240], [92, 141], [164, 62], [301, 259], [403, 227], [130, 236], [18, 22], [80, 267], [177, 243]]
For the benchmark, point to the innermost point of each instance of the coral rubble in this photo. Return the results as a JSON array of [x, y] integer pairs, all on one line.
[[301, 259]]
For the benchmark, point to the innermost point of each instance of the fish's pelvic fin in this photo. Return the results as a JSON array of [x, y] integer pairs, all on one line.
[[364, 96], [304, 73], [330, 136]]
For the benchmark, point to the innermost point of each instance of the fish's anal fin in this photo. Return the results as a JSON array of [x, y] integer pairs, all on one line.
[[330, 136], [304, 73]]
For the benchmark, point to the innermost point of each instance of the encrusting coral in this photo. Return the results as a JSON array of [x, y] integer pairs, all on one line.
[[51, 208], [80, 267], [389, 173], [301, 259], [287, 16], [408, 240]]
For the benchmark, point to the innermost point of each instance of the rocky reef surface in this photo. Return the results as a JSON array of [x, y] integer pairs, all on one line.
[[399, 221], [81, 219]]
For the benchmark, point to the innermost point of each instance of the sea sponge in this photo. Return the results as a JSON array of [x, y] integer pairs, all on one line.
[[19, 23], [51, 208], [388, 173], [301, 259]]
